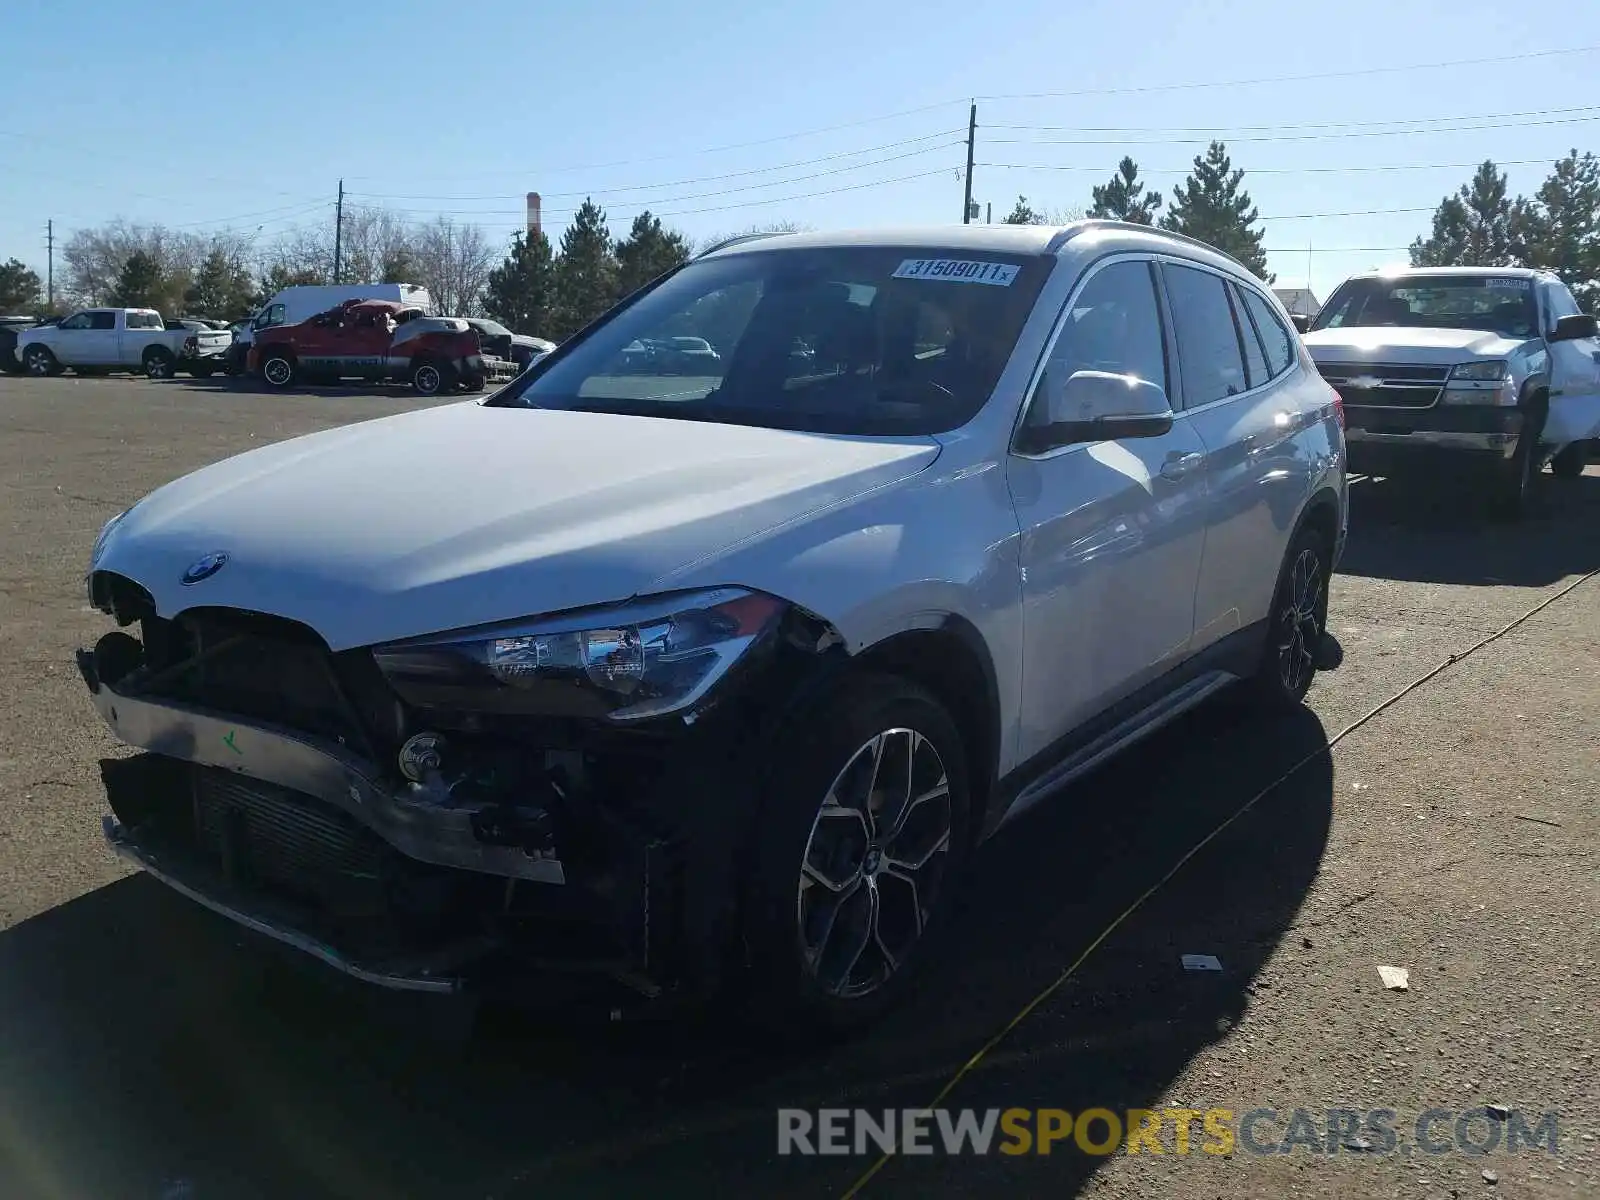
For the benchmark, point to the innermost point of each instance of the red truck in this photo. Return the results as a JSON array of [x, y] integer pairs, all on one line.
[[377, 340]]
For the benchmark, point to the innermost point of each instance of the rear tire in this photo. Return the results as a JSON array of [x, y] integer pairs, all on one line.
[[1296, 623], [845, 899], [432, 378], [40, 361], [200, 372], [159, 363], [1570, 462]]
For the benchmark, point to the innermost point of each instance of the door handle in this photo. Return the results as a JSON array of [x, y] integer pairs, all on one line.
[[1183, 464]]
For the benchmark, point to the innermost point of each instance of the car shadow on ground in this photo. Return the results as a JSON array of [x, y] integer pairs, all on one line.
[[149, 1048], [1444, 530]]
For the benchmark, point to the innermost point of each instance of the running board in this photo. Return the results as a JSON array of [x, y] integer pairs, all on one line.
[[1116, 739]]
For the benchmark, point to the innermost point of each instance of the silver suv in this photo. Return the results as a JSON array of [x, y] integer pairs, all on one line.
[[738, 662]]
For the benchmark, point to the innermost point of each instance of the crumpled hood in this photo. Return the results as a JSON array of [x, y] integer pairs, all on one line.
[[1402, 344], [463, 515]]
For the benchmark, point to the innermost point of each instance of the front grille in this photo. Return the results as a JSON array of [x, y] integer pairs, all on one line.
[[288, 841], [1385, 385], [270, 671]]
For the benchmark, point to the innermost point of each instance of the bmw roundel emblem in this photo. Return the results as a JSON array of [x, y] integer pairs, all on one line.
[[205, 568]]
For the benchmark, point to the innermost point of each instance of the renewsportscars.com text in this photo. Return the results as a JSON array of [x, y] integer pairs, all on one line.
[[1179, 1131]]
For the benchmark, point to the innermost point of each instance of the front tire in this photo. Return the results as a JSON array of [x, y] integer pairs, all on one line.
[[202, 372], [39, 361], [1570, 462], [857, 854], [1296, 623], [159, 363], [278, 369]]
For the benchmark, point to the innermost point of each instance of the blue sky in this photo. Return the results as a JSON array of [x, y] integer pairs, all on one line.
[[722, 114]]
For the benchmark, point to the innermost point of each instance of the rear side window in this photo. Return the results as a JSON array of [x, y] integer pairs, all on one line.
[[1210, 361], [1275, 339], [103, 320], [1254, 357]]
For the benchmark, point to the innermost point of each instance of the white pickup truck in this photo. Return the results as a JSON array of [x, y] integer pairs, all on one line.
[[97, 340]]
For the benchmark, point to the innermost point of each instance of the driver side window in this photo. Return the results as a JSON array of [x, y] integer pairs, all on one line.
[[1113, 324], [76, 321]]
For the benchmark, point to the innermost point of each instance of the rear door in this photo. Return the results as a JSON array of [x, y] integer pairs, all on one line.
[[1112, 531], [1238, 368], [1574, 375]]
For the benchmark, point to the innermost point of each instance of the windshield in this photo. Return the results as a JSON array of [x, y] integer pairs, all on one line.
[[1502, 304], [852, 340], [491, 328]]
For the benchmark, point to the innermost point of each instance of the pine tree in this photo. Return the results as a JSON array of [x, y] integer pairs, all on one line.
[[399, 265], [585, 274], [649, 250], [280, 277], [20, 290], [139, 283], [1211, 206], [1559, 229], [1123, 198], [1023, 214], [1473, 228], [221, 288], [520, 290]]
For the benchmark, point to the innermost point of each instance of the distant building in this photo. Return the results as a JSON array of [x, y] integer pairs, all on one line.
[[1301, 302]]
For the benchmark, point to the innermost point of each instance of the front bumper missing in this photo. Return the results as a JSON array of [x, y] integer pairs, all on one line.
[[281, 923], [422, 823]]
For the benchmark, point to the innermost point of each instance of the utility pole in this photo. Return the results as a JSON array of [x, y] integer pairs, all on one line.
[[50, 268], [338, 232], [972, 137], [988, 213]]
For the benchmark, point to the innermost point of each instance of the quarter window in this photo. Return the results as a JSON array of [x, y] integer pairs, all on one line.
[[1113, 325], [1209, 357], [1275, 339]]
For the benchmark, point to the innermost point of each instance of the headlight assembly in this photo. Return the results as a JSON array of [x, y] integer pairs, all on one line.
[[103, 537], [1481, 372], [627, 662]]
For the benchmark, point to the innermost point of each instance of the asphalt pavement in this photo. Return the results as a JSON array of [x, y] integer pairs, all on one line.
[[148, 1049]]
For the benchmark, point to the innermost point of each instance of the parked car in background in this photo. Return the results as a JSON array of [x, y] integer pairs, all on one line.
[[1496, 369], [378, 340], [729, 673], [674, 355], [500, 342], [292, 305], [98, 340], [10, 329]]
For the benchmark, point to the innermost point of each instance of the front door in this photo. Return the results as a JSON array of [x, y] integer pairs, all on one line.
[[1574, 376], [1111, 532]]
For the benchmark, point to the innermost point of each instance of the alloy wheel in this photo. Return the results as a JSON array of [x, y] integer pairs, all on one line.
[[426, 380], [1300, 621], [277, 371], [874, 862]]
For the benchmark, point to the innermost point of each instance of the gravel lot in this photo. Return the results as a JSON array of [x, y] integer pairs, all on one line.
[[146, 1050]]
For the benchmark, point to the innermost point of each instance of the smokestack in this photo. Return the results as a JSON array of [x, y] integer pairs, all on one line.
[[534, 224]]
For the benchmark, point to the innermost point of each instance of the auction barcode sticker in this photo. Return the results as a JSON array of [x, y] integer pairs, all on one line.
[[958, 270], [1516, 285]]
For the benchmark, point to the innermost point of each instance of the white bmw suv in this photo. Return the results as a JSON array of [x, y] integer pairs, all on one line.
[[725, 668]]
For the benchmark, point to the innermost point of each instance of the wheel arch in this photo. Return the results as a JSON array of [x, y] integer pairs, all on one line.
[[951, 660]]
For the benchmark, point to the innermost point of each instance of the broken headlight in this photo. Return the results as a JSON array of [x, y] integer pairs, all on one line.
[[643, 659]]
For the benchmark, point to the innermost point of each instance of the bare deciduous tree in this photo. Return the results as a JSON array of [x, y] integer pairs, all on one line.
[[453, 261]]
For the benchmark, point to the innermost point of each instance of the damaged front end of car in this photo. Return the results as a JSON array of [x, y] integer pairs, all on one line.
[[462, 812]]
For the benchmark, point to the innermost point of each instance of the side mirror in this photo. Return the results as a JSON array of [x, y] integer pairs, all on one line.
[[1098, 406], [1302, 322], [1579, 325]]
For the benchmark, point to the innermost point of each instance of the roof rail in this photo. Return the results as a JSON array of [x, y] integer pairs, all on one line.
[[740, 239], [1063, 236]]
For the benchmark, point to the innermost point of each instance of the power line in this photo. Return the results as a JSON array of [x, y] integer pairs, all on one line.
[[1303, 126], [1471, 166], [639, 187], [709, 195], [766, 141], [1282, 137], [288, 212], [1495, 60]]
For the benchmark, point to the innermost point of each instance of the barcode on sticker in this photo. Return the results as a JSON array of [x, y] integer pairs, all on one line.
[[1516, 285], [958, 270]]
